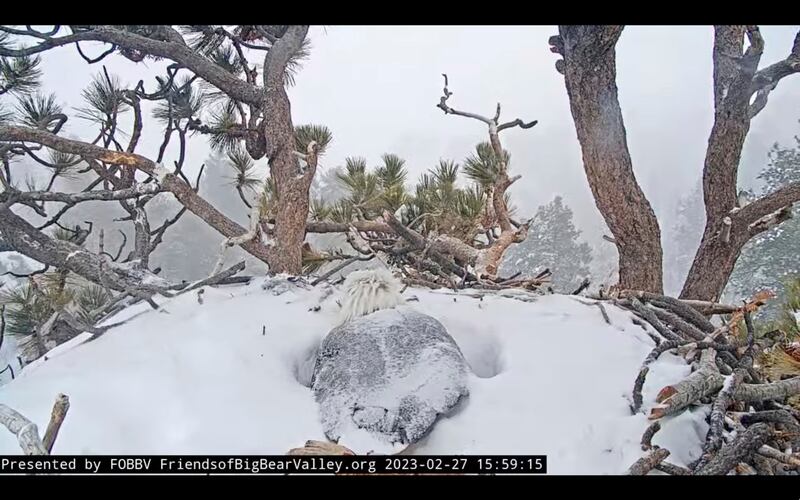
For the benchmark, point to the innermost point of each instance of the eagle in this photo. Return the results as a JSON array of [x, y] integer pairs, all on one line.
[[386, 374]]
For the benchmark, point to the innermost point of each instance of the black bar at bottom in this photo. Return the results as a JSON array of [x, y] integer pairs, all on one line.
[[274, 464]]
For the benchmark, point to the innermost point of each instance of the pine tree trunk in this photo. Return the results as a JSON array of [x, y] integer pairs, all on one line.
[[292, 183], [590, 75], [721, 246], [291, 197]]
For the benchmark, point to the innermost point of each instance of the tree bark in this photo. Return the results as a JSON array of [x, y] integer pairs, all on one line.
[[275, 135], [590, 75], [716, 256], [741, 448], [728, 228], [291, 182], [648, 462]]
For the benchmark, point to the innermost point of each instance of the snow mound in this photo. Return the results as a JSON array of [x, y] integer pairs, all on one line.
[[232, 376], [383, 379]]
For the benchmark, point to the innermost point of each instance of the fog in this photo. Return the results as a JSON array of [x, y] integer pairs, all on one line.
[[376, 88]]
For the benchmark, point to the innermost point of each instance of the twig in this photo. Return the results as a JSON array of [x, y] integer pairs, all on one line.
[[211, 280], [341, 266], [603, 312], [583, 286], [645, 369], [647, 437]]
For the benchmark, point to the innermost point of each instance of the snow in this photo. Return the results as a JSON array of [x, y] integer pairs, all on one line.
[[381, 380], [231, 376]]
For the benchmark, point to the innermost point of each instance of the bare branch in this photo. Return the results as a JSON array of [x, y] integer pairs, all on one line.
[[26, 431], [450, 111], [517, 123], [75, 198], [771, 75], [169, 182], [341, 266], [98, 58], [770, 220], [174, 50], [60, 409]]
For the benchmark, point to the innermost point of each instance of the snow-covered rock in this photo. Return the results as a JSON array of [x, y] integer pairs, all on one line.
[[232, 376]]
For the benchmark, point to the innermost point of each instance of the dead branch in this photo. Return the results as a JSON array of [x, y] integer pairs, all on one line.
[[211, 280], [647, 437], [645, 464], [737, 451], [701, 383], [718, 409], [710, 308], [674, 305], [651, 318], [603, 312], [645, 369], [26, 431], [688, 330], [770, 452], [672, 469], [341, 266], [583, 286], [752, 393], [60, 409], [74, 198]]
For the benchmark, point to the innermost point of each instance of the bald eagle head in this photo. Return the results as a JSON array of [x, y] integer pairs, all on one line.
[[368, 291]]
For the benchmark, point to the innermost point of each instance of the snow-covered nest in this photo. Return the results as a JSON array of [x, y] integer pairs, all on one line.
[[230, 376]]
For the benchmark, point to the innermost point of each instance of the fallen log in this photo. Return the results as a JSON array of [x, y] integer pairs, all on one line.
[[704, 381], [752, 393]]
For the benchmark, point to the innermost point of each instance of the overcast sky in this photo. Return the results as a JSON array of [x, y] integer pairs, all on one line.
[[376, 88]]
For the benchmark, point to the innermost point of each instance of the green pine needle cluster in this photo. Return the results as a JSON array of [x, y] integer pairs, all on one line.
[[443, 200]]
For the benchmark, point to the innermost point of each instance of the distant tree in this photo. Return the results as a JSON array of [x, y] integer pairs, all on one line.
[[553, 242], [681, 242]]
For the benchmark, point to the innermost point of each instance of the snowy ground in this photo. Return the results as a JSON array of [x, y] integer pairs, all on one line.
[[227, 377]]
